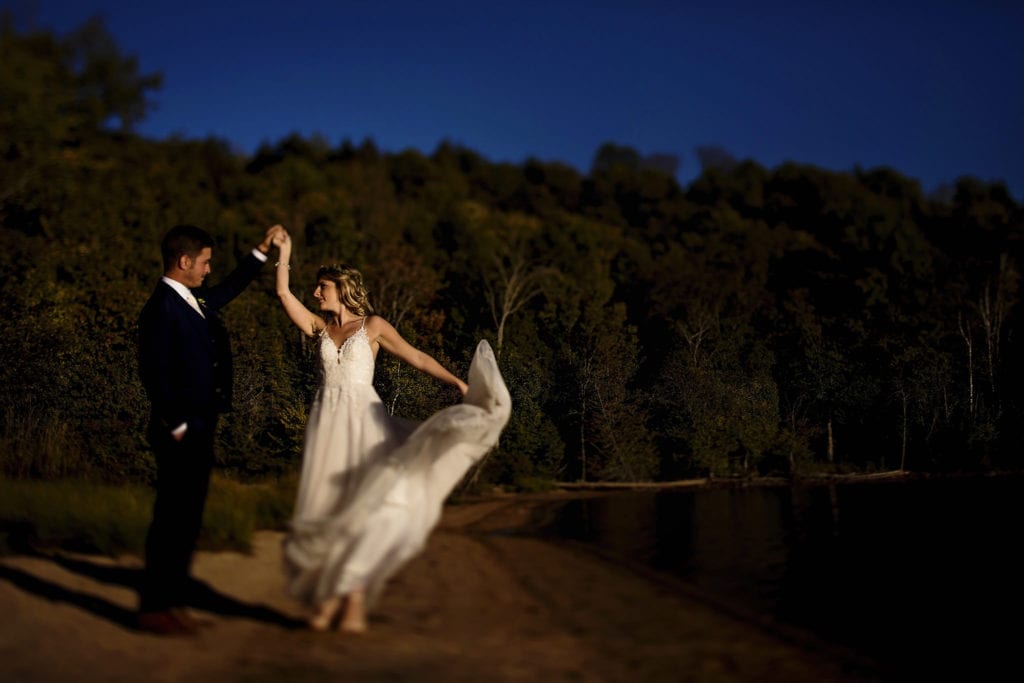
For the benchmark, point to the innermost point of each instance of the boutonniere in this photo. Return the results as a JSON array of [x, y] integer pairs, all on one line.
[[202, 302]]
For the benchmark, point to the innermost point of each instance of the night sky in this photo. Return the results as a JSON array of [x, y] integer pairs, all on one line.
[[934, 94]]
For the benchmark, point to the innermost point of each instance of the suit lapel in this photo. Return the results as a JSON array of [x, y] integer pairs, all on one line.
[[186, 310], [196, 319]]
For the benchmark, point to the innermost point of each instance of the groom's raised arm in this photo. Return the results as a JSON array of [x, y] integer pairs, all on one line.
[[238, 279]]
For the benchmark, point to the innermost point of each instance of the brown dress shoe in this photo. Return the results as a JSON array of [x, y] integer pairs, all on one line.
[[164, 624], [186, 617]]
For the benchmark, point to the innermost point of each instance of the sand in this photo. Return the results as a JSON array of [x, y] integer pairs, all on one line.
[[483, 602]]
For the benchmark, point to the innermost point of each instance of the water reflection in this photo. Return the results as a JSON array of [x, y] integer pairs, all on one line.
[[909, 571]]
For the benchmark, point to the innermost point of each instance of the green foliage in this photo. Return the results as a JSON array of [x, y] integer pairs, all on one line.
[[530, 445], [759, 321], [534, 484], [37, 444], [722, 409], [74, 514], [111, 519], [234, 510]]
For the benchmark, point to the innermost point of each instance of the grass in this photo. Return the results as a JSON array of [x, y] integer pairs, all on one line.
[[37, 443], [86, 516], [234, 510]]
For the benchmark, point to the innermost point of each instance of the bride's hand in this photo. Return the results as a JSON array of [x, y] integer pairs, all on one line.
[[270, 238]]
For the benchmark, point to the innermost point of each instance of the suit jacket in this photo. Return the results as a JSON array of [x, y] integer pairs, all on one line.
[[184, 358]]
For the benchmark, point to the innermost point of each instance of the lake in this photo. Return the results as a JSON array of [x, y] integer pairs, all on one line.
[[920, 576]]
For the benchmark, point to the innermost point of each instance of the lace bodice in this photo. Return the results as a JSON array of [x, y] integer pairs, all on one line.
[[349, 366]]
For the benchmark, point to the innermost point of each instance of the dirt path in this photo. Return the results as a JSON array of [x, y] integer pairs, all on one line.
[[481, 603]]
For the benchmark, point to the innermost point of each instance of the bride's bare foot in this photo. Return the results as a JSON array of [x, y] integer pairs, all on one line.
[[353, 618], [324, 618]]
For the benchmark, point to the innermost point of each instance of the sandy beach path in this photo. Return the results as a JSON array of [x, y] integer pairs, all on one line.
[[482, 603]]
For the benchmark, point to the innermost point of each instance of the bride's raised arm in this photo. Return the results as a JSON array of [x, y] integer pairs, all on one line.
[[383, 333], [306, 320]]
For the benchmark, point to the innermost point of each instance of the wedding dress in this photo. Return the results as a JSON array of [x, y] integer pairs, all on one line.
[[372, 485]]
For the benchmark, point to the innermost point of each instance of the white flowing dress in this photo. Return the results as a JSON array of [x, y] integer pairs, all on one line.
[[372, 485]]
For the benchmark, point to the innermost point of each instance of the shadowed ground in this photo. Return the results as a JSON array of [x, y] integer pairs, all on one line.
[[483, 602]]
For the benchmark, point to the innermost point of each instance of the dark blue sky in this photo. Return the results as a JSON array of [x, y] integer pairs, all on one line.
[[934, 93]]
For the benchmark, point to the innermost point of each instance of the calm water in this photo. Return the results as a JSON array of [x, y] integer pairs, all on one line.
[[916, 575]]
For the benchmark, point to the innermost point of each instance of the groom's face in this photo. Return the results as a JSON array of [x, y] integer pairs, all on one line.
[[198, 268]]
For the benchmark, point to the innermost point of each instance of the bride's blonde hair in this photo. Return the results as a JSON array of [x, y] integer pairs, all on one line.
[[352, 291]]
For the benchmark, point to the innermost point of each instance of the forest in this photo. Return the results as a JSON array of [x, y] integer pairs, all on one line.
[[759, 322]]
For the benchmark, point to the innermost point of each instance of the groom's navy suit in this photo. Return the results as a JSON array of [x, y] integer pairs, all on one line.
[[185, 365]]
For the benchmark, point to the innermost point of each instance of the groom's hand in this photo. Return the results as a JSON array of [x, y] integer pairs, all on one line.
[[282, 238], [268, 239]]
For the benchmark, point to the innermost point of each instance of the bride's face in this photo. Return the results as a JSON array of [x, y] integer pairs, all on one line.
[[326, 293]]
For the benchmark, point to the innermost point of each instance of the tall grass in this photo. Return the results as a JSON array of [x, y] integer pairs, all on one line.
[[73, 514], [235, 509], [35, 442], [109, 519]]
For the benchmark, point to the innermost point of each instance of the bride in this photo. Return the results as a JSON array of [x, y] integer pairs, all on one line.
[[372, 485]]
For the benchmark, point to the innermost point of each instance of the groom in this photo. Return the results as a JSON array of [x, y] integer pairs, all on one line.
[[185, 365]]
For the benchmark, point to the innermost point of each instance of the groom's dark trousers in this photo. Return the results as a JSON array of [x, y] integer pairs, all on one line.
[[185, 365], [183, 475]]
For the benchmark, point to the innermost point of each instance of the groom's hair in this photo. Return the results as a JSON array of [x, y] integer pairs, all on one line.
[[183, 240]]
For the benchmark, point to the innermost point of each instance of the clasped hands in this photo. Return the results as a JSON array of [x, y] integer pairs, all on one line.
[[275, 236]]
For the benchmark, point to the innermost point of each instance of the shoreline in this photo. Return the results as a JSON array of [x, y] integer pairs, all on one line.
[[801, 480], [484, 601]]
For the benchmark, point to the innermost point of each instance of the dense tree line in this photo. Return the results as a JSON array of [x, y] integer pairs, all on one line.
[[759, 321]]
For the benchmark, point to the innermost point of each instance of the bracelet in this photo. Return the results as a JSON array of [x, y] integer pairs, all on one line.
[[286, 265]]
